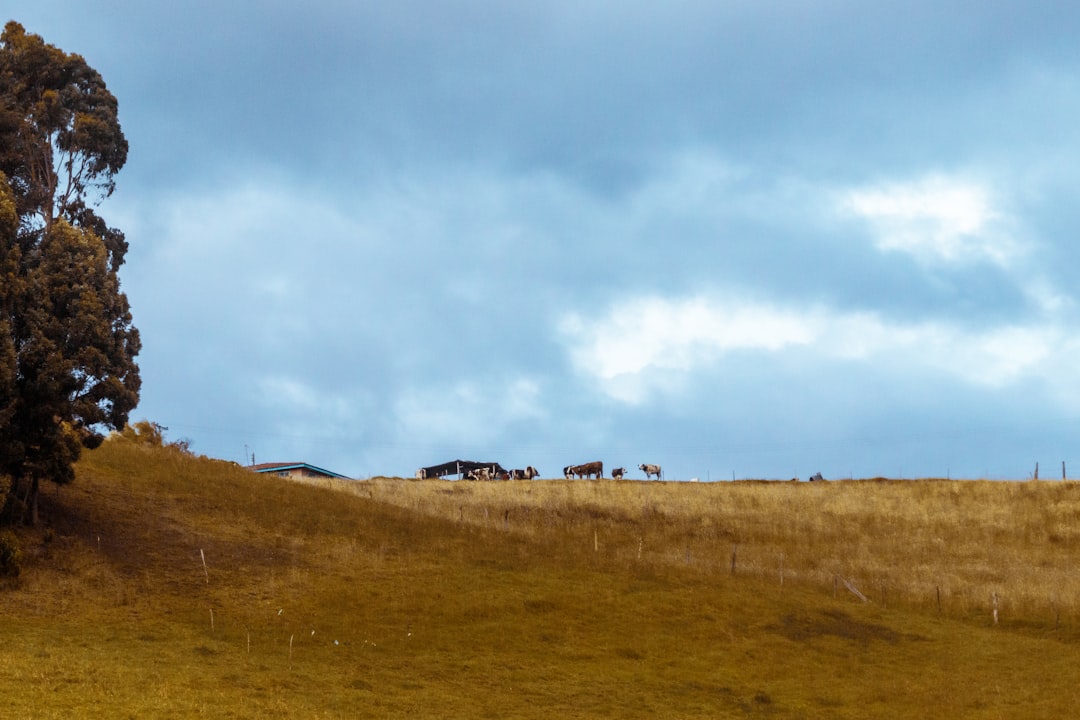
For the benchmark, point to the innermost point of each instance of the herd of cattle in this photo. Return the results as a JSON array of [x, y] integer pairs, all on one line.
[[470, 470], [493, 471], [588, 470]]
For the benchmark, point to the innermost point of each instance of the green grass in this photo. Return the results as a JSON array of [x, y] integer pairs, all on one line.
[[546, 599]]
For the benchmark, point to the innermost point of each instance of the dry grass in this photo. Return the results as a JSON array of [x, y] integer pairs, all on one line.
[[530, 599], [913, 541]]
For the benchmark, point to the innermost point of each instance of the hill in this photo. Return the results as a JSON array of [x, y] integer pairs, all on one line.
[[165, 585]]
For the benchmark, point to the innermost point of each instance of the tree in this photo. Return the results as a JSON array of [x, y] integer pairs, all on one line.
[[62, 137], [67, 342]]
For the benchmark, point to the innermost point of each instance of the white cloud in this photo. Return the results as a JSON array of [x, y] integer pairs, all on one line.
[[677, 334], [935, 219], [647, 344]]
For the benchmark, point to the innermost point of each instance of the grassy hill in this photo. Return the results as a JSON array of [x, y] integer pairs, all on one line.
[[165, 585]]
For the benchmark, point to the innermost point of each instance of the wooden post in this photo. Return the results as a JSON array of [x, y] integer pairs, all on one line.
[[1036, 471], [851, 588], [1062, 469]]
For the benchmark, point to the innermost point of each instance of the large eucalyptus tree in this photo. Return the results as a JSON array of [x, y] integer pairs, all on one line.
[[67, 342]]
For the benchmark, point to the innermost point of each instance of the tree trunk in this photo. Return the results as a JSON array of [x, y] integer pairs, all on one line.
[[34, 493]]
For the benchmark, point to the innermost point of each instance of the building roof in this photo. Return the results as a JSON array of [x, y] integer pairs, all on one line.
[[286, 466], [458, 467]]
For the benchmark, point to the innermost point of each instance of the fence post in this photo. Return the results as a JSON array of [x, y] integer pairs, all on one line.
[[851, 588]]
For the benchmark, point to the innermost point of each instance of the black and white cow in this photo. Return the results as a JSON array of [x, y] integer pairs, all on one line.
[[527, 474], [650, 470], [617, 473]]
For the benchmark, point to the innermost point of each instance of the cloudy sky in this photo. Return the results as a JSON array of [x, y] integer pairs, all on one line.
[[736, 238]]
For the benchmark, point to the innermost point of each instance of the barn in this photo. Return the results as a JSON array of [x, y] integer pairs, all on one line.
[[459, 468]]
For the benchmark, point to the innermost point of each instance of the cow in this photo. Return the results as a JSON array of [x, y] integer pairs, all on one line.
[[527, 474], [478, 474], [618, 473], [650, 470], [568, 472], [588, 470]]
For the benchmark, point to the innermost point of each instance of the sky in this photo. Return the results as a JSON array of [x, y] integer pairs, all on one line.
[[736, 239]]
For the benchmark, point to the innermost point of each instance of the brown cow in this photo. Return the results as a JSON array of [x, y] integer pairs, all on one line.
[[588, 470], [479, 474]]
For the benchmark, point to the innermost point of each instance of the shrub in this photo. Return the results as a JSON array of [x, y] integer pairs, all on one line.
[[145, 432], [152, 434], [10, 555]]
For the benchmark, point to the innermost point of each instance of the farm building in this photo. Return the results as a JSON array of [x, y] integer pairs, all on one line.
[[295, 471], [459, 468]]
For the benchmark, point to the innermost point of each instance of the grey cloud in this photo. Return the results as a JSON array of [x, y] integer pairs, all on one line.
[[434, 185]]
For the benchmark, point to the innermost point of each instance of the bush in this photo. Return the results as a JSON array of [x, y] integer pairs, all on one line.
[[152, 434], [145, 432], [10, 555]]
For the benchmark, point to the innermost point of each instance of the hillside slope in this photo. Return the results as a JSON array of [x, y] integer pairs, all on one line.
[[314, 602]]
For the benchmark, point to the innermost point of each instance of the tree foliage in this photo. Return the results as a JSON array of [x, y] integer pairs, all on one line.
[[63, 144], [67, 342]]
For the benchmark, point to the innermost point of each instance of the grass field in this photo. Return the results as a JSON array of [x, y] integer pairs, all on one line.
[[399, 598]]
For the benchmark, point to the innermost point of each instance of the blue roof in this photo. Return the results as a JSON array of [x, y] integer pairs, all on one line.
[[280, 467]]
